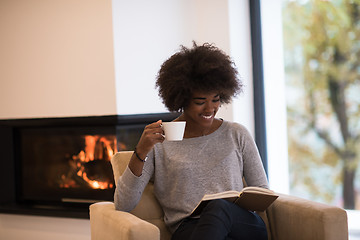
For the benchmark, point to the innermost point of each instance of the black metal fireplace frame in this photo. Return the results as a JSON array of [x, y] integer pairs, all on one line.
[[10, 201]]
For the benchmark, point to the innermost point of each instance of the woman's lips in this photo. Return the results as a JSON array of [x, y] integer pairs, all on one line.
[[207, 116]]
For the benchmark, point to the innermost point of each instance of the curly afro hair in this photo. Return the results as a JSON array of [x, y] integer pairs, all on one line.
[[202, 68]]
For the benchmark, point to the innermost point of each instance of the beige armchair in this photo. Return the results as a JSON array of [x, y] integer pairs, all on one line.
[[288, 218]]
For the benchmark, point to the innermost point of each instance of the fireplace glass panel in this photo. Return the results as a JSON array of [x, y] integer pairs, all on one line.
[[71, 164]]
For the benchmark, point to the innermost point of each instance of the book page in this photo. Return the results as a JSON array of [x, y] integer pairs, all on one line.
[[258, 190], [251, 198], [227, 194]]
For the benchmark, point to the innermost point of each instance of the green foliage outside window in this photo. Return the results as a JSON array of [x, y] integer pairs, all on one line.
[[322, 69]]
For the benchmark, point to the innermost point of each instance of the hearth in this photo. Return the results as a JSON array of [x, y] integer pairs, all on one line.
[[59, 166]]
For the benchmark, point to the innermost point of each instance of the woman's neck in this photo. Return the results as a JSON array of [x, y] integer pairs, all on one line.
[[193, 130]]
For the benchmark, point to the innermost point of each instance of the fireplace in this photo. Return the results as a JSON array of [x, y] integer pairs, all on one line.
[[59, 166]]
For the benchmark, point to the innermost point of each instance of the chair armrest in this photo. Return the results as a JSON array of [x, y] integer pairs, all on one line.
[[299, 219], [108, 223]]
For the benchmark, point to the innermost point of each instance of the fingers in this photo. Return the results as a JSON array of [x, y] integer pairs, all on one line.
[[153, 133], [157, 124], [154, 128]]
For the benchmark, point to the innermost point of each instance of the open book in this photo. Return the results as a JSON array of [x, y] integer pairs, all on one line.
[[250, 198]]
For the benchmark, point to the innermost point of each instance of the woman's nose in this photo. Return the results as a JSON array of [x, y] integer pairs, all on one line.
[[209, 106]]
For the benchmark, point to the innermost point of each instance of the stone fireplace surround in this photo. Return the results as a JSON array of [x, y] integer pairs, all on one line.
[[12, 200]]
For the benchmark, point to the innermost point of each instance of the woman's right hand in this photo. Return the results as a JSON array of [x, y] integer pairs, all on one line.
[[152, 134]]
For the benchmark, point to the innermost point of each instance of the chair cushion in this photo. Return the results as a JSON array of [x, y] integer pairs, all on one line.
[[148, 206], [119, 163]]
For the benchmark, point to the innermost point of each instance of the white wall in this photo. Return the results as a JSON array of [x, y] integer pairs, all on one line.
[[240, 50], [146, 33], [274, 82], [86, 57], [56, 58]]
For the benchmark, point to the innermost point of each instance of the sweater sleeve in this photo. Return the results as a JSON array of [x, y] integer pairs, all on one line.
[[129, 187], [254, 172]]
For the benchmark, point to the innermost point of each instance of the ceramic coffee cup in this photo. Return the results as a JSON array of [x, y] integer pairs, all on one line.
[[174, 131]]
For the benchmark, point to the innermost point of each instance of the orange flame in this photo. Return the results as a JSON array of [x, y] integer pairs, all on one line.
[[96, 148]]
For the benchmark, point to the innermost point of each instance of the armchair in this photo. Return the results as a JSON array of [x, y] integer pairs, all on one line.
[[287, 218]]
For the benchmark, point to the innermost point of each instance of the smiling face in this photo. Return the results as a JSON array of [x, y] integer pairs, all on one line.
[[201, 111]]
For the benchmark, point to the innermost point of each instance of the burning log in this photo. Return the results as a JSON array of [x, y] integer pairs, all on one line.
[[91, 167]]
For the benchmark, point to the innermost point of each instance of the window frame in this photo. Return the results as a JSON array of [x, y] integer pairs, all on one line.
[[258, 80]]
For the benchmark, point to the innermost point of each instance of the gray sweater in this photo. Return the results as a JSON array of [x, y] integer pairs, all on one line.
[[183, 171]]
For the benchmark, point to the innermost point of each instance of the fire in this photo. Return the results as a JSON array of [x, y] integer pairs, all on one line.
[[98, 147], [85, 165], [93, 183]]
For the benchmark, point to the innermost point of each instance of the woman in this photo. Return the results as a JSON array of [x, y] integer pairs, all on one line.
[[214, 155]]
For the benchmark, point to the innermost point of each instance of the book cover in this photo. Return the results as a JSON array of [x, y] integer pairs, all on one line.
[[250, 198]]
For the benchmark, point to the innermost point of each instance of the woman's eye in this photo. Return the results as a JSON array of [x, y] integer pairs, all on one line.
[[216, 100], [199, 103]]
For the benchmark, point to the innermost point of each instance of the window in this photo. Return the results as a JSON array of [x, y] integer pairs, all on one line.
[[312, 84]]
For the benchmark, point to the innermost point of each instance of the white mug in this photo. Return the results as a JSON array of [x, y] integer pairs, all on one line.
[[174, 131]]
